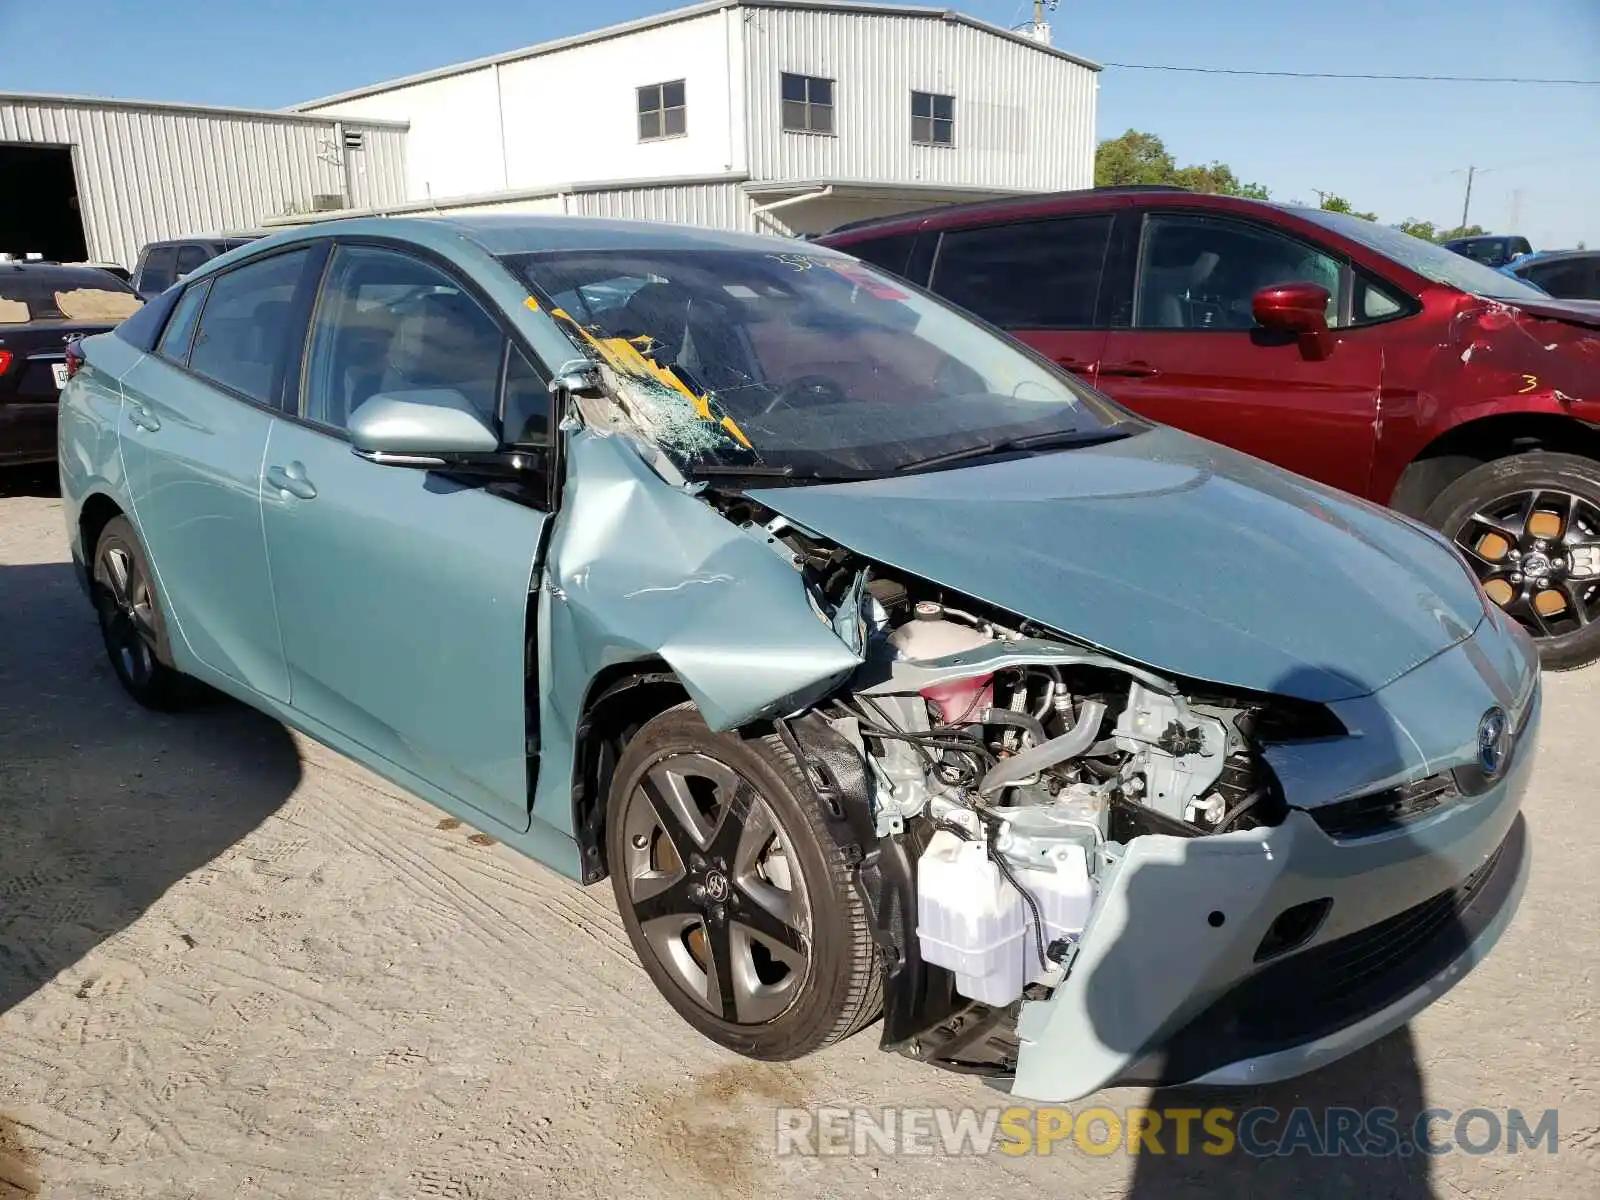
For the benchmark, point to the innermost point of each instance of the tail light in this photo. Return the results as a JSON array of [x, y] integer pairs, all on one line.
[[74, 356], [5, 361]]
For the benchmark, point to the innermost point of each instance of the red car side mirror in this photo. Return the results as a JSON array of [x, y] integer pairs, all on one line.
[[1297, 308]]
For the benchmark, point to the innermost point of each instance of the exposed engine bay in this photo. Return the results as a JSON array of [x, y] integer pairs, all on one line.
[[1008, 768]]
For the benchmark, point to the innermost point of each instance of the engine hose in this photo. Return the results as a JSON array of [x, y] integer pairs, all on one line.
[[1020, 720], [1239, 809], [1047, 754], [1027, 897]]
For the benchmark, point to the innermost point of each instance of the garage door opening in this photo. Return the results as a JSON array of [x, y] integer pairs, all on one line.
[[39, 204]]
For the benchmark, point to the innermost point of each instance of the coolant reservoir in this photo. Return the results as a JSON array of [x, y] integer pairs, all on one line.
[[929, 635]]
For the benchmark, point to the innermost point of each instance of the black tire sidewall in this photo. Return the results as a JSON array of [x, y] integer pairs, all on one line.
[[164, 689], [1519, 473], [812, 1021]]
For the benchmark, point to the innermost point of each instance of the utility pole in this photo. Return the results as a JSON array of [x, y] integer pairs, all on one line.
[[1466, 204], [1516, 209], [1321, 196]]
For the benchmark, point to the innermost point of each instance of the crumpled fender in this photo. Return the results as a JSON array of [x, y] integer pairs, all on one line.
[[637, 569]]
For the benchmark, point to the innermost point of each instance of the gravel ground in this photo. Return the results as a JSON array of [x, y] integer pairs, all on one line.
[[235, 964]]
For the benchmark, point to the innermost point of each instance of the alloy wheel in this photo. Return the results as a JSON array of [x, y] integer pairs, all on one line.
[[126, 608], [717, 889], [1537, 554]]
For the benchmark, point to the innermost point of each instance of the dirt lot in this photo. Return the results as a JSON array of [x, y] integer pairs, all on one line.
[[234, 964]]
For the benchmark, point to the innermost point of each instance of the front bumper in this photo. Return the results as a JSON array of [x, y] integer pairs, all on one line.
[[1170, 984]]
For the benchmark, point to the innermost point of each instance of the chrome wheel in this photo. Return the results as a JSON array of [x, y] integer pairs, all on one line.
[[1537, 554], [716, 889], [126, 608]]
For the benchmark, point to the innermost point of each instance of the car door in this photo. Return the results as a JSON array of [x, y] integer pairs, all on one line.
[[402, 594], [1184, 348], [1039, 280], [194, 426]]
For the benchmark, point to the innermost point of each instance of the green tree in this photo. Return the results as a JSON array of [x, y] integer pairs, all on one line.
[[1421, 229], [1461, 231], [1338, 204], [1142, 158]]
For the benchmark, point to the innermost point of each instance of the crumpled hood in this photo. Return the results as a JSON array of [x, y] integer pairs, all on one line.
[[1173, 552]]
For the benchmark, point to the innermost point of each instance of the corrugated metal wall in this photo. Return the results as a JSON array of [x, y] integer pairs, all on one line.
[[146, 173], [718, 205], [1023, 119]]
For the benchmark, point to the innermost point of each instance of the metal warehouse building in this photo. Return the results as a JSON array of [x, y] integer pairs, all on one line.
[[778, 115], [788, 116], [91, 179]]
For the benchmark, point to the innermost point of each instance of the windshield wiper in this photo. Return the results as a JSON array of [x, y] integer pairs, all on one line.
[[769, 471], [1058, 439]]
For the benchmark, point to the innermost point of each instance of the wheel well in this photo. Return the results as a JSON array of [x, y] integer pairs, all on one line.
[[620, 699], [1453, 453], [97, 512]]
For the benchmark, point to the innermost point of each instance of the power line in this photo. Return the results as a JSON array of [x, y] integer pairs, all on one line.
[[1354, 75]]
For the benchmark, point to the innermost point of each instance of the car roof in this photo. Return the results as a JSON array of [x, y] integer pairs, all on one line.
[[1544, 256], [1033, 204], [527, 233]]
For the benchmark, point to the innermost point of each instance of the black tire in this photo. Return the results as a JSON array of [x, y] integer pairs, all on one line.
[[1564, 490], [131, 622], [839, 989]]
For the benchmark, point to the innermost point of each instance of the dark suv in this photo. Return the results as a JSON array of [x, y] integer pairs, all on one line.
[[1345, 350], [161, 264]]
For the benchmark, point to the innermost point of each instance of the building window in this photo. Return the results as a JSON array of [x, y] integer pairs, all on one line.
[[807, 104], [933, 119], [662, 113]]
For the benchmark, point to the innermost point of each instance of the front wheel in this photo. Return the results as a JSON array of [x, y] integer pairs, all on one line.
[[1529, 525], [740, 907]]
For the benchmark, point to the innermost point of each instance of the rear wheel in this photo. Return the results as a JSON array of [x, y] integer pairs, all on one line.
[[1530, 527], [131, 623], [740, 907]]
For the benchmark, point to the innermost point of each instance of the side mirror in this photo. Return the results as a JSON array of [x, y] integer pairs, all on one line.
[[1300, 309], [419, 428]]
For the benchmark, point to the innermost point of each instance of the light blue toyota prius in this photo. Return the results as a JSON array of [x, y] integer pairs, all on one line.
[[887, 670]]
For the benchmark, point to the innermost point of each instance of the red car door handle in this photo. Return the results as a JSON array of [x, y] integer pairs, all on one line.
[[1076, 365], [1130, 370]]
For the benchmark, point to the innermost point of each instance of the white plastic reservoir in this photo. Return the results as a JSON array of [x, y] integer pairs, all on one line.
[[973, 922]]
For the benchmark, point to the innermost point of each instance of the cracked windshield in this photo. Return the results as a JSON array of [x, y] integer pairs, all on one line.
[[805, 364]]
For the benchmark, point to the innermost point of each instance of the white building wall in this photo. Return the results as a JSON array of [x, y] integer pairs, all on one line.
[[573, 115], [453, 146], [146, 172], [1024, 118], [570, 115]]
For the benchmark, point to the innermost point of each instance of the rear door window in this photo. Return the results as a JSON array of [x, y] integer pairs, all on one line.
[[242, 342], [892, 253], [159, 269], [1569, 280], [1030, 275]]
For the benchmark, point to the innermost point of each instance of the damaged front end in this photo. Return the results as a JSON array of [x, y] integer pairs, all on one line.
[[1075, 865]]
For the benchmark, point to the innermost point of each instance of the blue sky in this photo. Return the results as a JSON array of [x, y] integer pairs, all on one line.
[[1388, 147]]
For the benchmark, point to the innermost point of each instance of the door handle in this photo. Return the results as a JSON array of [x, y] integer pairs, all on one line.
[[292, 479], [143, 417], [1137, 369], [1076, 365]]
